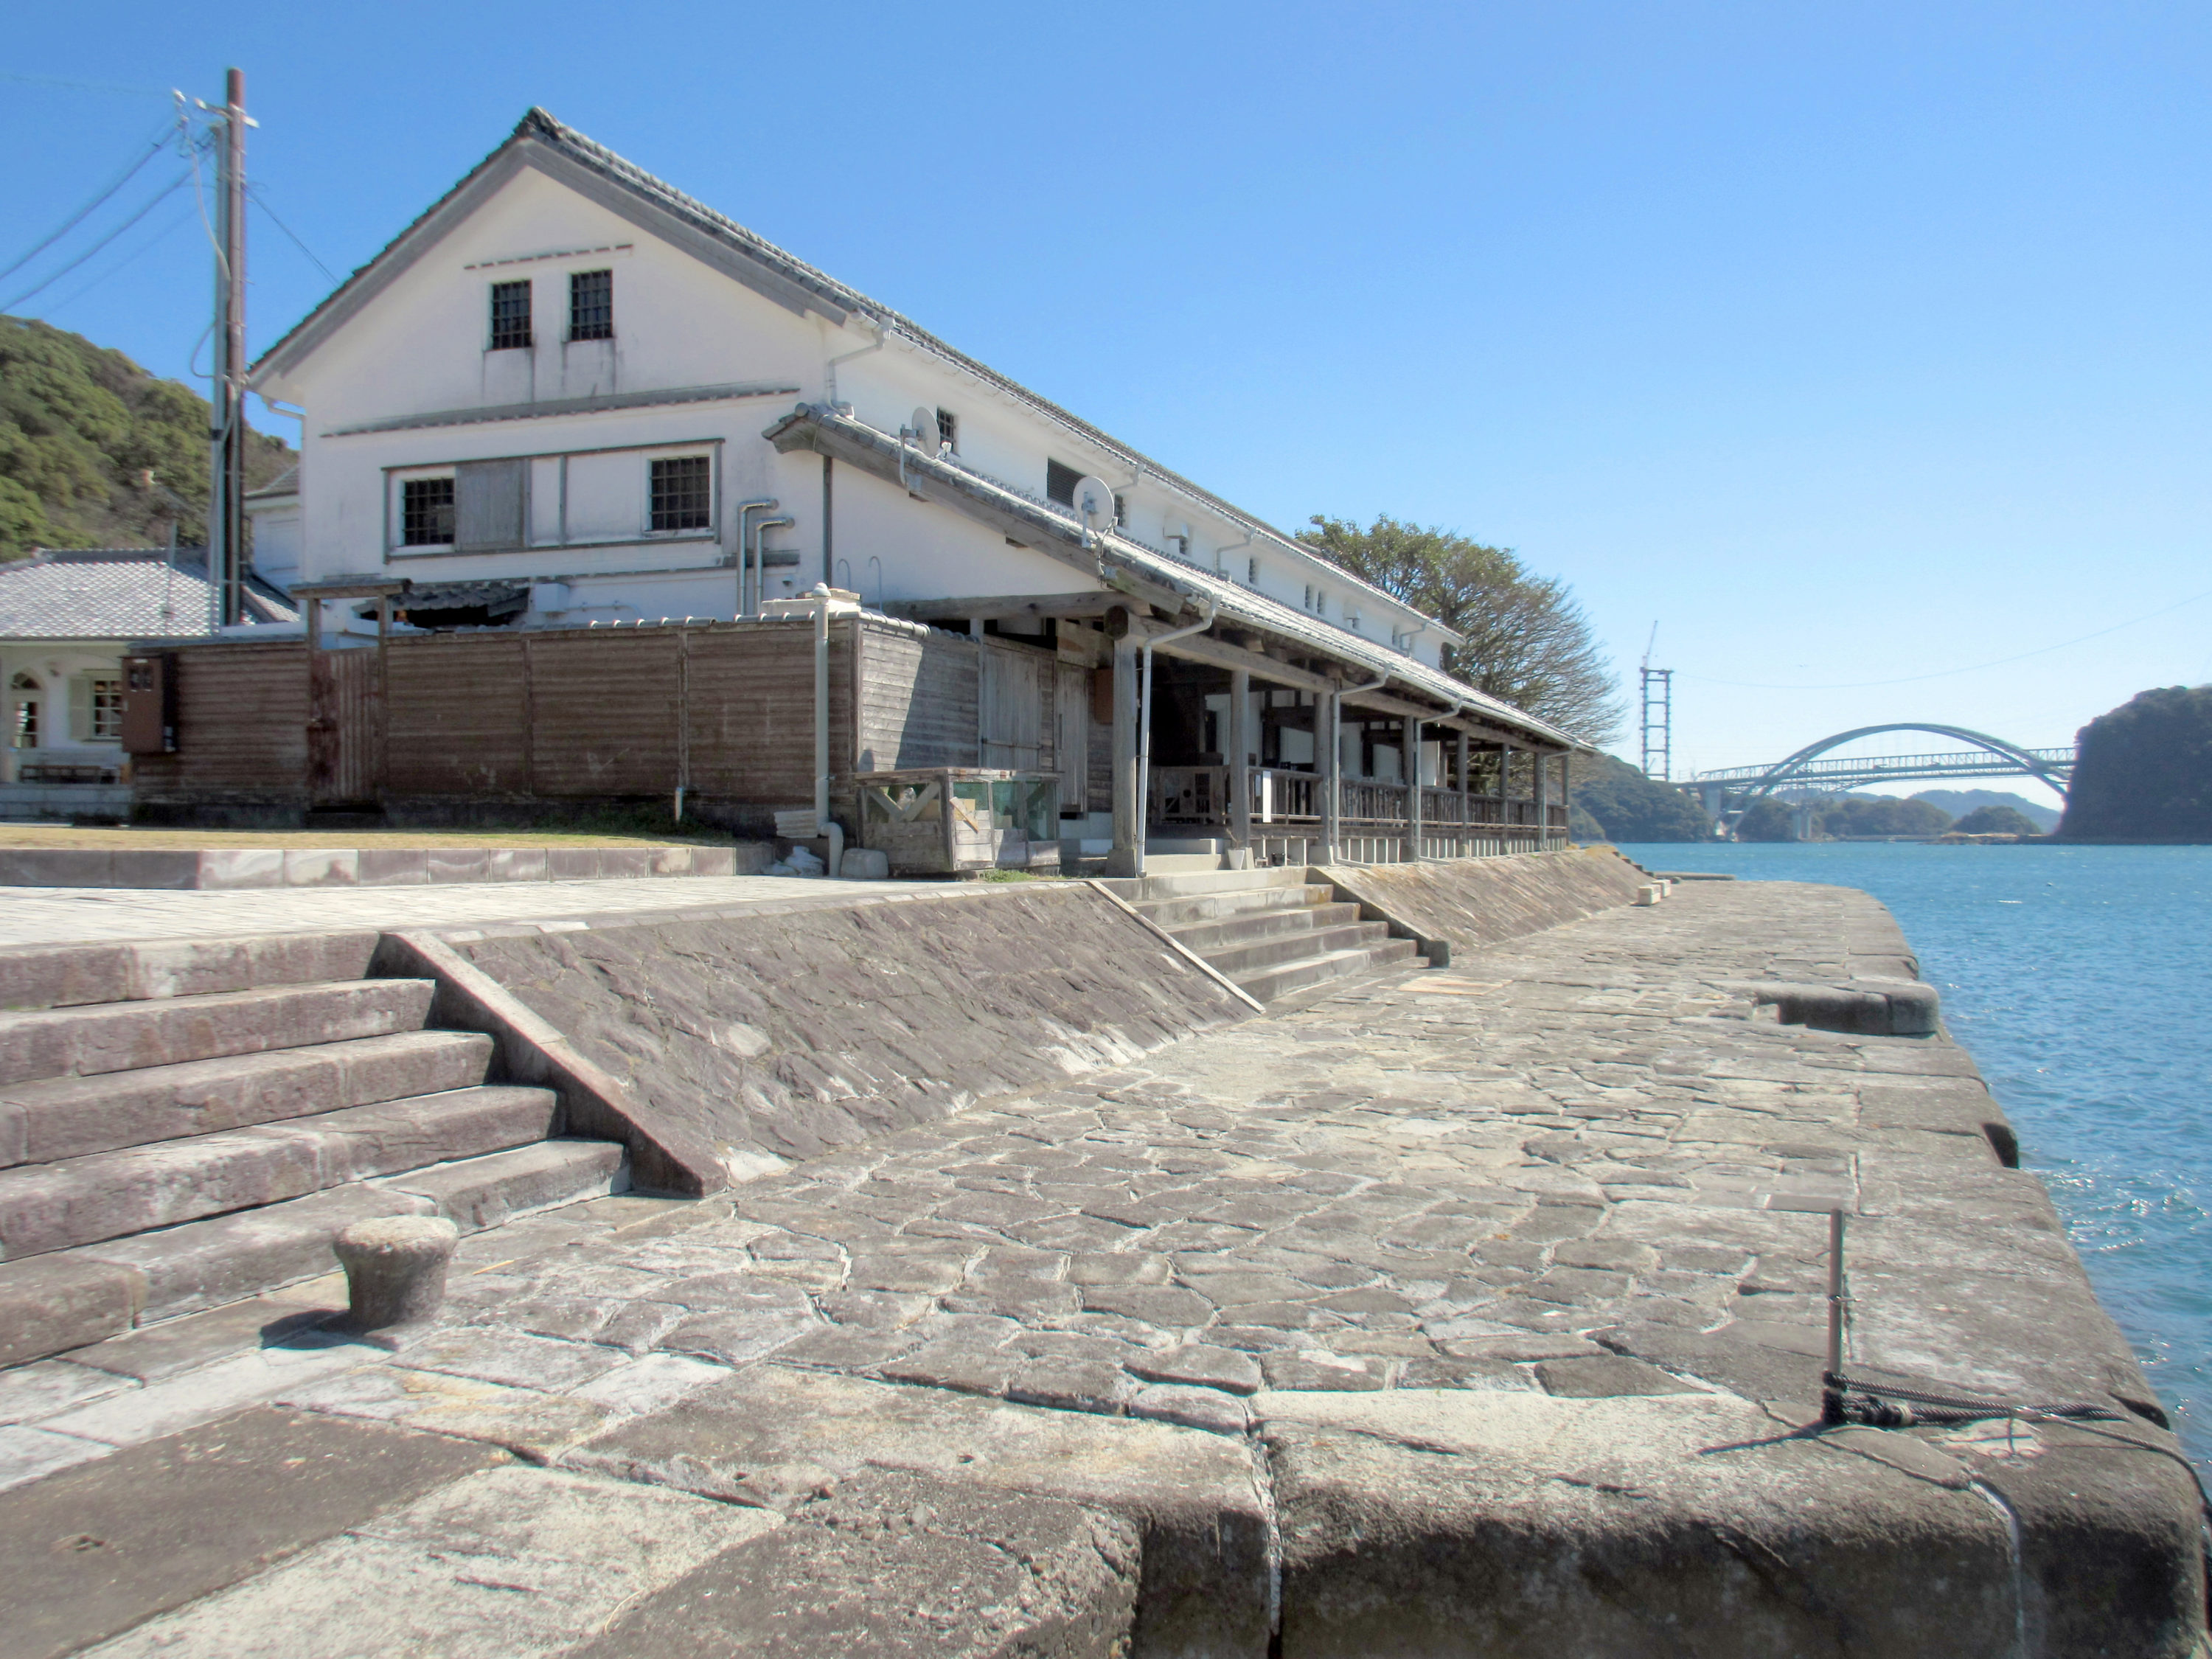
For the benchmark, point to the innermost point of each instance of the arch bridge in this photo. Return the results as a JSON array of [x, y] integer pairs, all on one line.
[[1731, 791]]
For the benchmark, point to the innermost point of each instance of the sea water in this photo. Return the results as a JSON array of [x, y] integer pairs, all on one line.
[[2079, 978]]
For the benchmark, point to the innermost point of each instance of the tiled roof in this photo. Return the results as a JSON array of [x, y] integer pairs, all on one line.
[[118, 593]]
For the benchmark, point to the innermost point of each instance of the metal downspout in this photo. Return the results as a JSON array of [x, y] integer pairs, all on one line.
[[745, 510], [1145, 727], [759, 557]]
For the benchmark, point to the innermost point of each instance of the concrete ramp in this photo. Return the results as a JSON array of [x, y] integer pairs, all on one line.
[[1469, 903], [781, 1032]]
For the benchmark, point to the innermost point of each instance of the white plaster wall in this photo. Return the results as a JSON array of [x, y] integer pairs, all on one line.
[[277, 532], [420, 346]]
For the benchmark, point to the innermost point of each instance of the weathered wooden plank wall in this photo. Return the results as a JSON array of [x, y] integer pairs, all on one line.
[[727, 710], [242, 720], [918, 691]]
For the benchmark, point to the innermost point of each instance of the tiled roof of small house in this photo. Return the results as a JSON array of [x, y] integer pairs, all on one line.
[[118, 593]]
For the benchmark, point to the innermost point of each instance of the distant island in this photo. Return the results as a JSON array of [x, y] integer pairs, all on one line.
[[2144, 773]]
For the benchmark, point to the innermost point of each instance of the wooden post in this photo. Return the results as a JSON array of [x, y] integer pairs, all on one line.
[[1128, 857], [383, 691], [1465, 825], [1327, 711], [1537, 757], [1411, 728], [1240, 756], [1567, 792]]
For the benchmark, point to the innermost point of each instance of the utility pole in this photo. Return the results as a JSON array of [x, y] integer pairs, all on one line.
[[1658, 715], [227, 429]]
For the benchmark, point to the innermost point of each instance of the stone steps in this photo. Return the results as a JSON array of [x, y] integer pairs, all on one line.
[[1240, 961], [1272, 982], [50, 1303], [176, 1133], [68, 1117], [1272, 931], [1178, 913], [122, 1036], [1263, 924], [112, 1195]]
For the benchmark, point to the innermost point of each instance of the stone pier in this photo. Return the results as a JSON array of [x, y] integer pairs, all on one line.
[[1471, 1311]]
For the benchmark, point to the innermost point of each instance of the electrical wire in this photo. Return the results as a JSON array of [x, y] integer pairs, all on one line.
[[1945, 673], [262, 202], [128, 259], [161, 196], [160, 143]]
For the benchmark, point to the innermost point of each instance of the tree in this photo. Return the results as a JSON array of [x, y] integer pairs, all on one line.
[[1526, 640], [80, 428], [1631, 807], [1769, 819], [2145, 771], [1880, 815], [1995, 821]]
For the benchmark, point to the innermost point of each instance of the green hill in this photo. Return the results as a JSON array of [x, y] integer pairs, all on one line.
[[80, 427], [1626, 805], [2144, 773]]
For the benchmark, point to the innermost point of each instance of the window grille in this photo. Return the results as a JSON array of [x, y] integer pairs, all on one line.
[[107, 710], [510, 315], [591, 305], [426, 512], [1121, 509], [948, 430], [1252, 573], [1059, 482], [683, 494]]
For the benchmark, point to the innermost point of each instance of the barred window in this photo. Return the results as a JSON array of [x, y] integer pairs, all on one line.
[[426, 511], [107, 710], [683, 494], [948, 430], [591, 305], [510, 315]]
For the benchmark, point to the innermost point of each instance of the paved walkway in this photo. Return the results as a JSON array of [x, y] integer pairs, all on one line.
[[64, 916], [1479, 1306]]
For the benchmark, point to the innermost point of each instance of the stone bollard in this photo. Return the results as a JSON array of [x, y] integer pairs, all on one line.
[[395, 1268], [1649, 893]]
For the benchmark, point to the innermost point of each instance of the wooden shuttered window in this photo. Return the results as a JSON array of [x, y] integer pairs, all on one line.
[[489, 501]]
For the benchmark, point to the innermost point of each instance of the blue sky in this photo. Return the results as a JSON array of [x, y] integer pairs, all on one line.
[[1849, 344]]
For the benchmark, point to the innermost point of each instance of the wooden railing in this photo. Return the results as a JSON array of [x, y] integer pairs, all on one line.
[[1372, 824]]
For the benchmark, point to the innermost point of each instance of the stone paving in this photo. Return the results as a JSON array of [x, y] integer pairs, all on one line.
[[61, 915], [1487, 1236]]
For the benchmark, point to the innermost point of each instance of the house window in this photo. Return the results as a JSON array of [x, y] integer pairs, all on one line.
[[510, 315], [24, 734], [948, 430], [426, 511], [683, 494], [1060, 483], [1121, 509], [107, 722], [1252, 573], [591, 305]]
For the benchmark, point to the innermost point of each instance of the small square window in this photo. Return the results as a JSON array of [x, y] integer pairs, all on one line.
[[1059, 482], [683, 494], [510, 315], [426, 512], [948, 430], [107, 710], [591, 305]]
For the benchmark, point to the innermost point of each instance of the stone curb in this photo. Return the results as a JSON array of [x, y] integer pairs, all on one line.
[[232, 869]]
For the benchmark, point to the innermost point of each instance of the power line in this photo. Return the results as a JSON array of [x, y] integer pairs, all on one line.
[[262, 202], [160, 142], [128, 259], [1975, 668], [159, 197], [86, 85]]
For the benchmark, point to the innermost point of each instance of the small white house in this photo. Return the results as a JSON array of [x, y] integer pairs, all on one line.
[[66, 617]]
